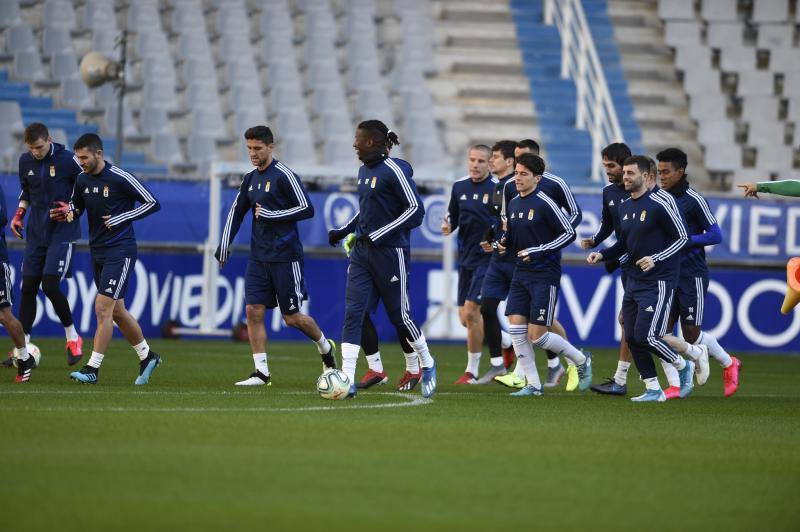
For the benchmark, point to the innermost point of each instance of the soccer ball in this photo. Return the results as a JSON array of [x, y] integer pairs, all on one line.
[[333, 384], [33, 350]]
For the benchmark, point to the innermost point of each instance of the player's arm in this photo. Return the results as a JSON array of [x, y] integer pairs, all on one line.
[[561, 226], [567, 200], [236, 214], [408, 197], [138, 191], [450, 223], [603, 232], [302, 207], [786, 187], [711, 234], [24, 201], [67, 211], [335, 235]]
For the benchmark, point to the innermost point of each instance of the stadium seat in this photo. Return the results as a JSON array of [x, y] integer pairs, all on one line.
[[725, 34], [28, 66], [793, 115], [719, 10], [760, 108], [775, 36], [755, 83], [208, 121], [690, 57], [765, 132], [707, 106], [19, 38], [165, 148], [11, 117], [104, 40], [59, 14], [679, 32], [701, 80], [774, 158], [160, 93], [737, 59], [59, 136], [296, 149], [64, 65], [716, 131], [154, 120], [725, 157], [74, 94], [247, 118], [129, 128], [10, 14], [770, 10], [339, 151], [56, 39], [99, 15], [676, 9], [784, 60], [143, 15], [159, 69], [201, 149], [104, 95]]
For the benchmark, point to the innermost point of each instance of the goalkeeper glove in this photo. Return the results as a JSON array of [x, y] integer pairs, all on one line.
[[16, 222], [349, 242], [62, 212]]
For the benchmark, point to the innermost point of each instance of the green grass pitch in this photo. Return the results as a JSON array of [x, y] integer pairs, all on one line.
[[191, 452]]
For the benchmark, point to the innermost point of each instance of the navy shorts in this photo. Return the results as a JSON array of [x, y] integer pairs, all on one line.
[[111, 275], [497, 280], [533, 298], [275, 284], [55, 259], [689, 302], [470, 282], [6, 288]]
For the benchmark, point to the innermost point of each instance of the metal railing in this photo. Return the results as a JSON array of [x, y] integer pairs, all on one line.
[[595, 108]]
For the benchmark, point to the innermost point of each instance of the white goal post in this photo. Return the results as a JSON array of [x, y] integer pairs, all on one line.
[[208, 311]]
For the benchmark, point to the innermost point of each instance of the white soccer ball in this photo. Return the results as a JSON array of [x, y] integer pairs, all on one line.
[[33, 351], [333, 384]]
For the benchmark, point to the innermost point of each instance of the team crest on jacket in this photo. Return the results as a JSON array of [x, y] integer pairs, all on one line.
[[642, 216], [530, 214], [485, 198], [374, 181], [266, 186], [105, 191], [52, 170]]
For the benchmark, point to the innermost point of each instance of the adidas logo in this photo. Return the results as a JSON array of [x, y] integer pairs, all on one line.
[[30, 172], [109, 290], [689, 317], [611, 203], [292, 307], [86, 191], [625, 217], [463, 197], [649, 309], [394, 279], [540, 318]]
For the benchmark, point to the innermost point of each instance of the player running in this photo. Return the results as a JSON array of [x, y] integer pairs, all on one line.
[[25, 361], [690, 293], [47, 173], [536, 231], [614, 194], [652, 234], [108, 195], [274, 277], [389, 206], [469, 212]]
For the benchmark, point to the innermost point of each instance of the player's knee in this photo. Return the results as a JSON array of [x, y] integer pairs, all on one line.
[[50, 285], [254, 313], [538, 339], [103, 310], [5, 317], [621, 318], [30, 285], [691, 333], [293, 320]]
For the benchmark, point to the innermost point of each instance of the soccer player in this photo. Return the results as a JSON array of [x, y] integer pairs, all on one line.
[[559, 191], [690, 293], [274, 277], [652, 235], [499, 271], [469, 212], [614, 194], [25, 361], [389, 206], [536, 231], [47, 173], [108, 195]]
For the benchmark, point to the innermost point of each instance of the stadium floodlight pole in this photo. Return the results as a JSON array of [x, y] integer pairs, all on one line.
[[123, 57]]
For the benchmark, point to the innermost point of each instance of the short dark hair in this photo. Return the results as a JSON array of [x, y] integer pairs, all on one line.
[[35, 131], [617, 152], [380, 133], [530, 144], [642, 161], [532, 162], [89, 141], [262, 133], [506, 147], [673, 155]]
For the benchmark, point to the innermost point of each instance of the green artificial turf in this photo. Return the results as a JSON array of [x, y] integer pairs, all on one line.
[[191, 452]]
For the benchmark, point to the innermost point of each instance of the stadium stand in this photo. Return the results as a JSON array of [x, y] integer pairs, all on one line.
[[739, 64]]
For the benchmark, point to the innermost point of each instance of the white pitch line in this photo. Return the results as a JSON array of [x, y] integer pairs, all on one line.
[[409, 400]]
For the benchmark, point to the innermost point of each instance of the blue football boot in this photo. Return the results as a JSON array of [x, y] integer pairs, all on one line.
[[527, 391], [428, 381], [585, 373], [650, 396], [146, 368], [687, 379], [86, 375]]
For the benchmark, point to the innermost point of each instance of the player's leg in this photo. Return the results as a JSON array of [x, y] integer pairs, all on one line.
[[673, 389], [467, 318], [651, 325], [369, 343], [395, 300], [32, 270], [556, 370], [618, 384], [57, 267], [290, 288], [518, 311], [258, 294], [25, 362], [132, 331], [359, 292], [544, 297], [640, 352], [413, 373]]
